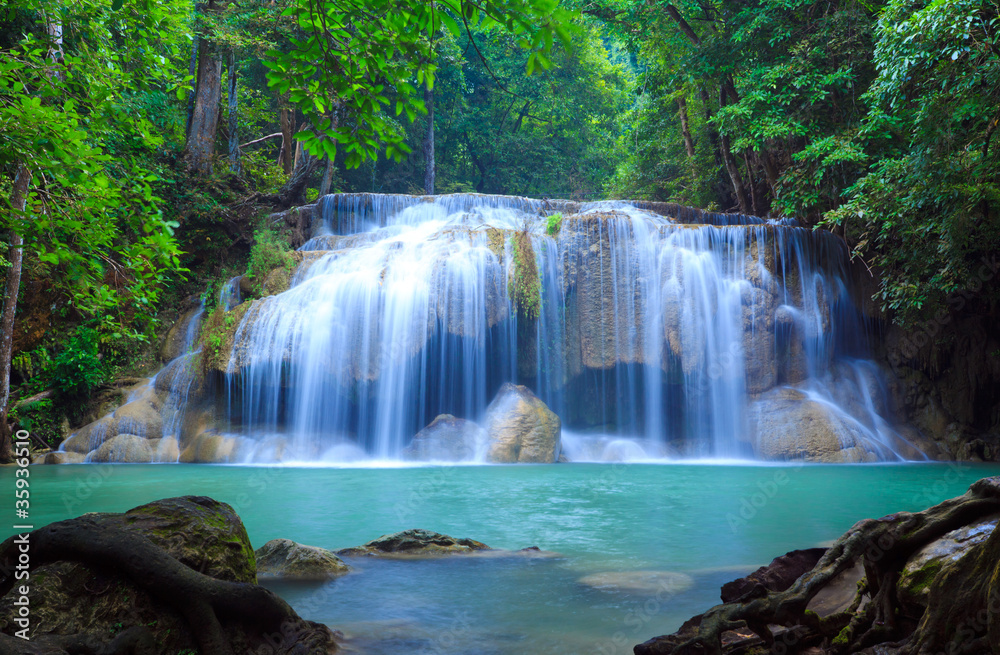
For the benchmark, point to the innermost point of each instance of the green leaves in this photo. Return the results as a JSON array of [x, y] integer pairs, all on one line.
[[92, 218], [357, 60]]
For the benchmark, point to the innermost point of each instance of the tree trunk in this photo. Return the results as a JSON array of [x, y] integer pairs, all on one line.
[[430, 171], [287, 155], [192, 71], [713, 136], [324, 187], [685, 127], [17, 200], [731, 167], [205, 117], [234, 141]]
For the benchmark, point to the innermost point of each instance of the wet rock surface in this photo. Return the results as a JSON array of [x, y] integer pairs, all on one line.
[[521, 428], [287, 560], [414, 543]]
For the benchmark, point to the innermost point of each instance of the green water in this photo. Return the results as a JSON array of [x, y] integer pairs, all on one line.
[[712, 522]]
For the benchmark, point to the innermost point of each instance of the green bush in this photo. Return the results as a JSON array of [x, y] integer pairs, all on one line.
[[77, 370], [269, 251], [554, 224]]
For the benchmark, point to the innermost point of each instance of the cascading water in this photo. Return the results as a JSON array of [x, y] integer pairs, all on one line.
[[651, 330], [680, 331]]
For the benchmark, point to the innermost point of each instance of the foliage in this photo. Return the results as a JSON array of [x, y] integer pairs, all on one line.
[[525, 287], [500, 130], [269, 251], [93, 222], [553, 224], [41, 418], [77, 369], [356, 55]]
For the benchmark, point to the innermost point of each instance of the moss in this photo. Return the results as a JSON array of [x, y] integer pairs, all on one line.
[[218, 335], [496, 242], [554, 224], [918, 581], [843, 637], [525, 288]]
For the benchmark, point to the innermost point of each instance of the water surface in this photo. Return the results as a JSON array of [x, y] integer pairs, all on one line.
[[711, 522]]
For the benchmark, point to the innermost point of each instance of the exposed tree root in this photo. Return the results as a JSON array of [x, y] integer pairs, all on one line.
[[211, 607], [883, 546]]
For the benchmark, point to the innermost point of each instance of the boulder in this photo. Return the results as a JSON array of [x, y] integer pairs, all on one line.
[[210, 447], [90, 436], [128, 582], [285, 559], [177, 341], [414, 543], [787, 425], [935, 559], [448, 439], [123, 449], [165, 450], [141, 415], [277, 281], [60, 457], [521, 428], [779, 575]]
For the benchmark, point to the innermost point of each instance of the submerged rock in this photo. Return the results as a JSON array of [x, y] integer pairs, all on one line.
[[447, 438], [414, 543], [283, 558], [521, 428], [639, 582]]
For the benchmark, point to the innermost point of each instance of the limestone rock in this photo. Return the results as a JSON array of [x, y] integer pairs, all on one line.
[[448, 439], [521, 428], [639, 582], [788, 425], [174, 345], [210, 447], [123, 449], [414, 543], [60, 457], [283, 558]]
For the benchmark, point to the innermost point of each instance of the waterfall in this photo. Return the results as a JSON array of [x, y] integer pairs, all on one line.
[[671, 328], [652, 330]]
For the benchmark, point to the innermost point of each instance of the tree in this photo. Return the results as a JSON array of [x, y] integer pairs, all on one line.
[[84, 215], [356, 54]]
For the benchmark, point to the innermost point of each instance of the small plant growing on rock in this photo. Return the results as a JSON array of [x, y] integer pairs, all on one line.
[[554, 224]]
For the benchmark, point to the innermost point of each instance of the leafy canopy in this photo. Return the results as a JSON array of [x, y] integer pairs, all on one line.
[[355, 56]]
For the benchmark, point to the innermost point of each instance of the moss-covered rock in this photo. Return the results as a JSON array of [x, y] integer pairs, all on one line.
[[285, 559], [414, 543], [73, 598], [218, 337]]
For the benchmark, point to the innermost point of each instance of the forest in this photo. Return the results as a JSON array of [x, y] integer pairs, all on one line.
[[144, 142]]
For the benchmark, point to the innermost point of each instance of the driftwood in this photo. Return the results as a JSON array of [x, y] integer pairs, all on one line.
[[883, 546]]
